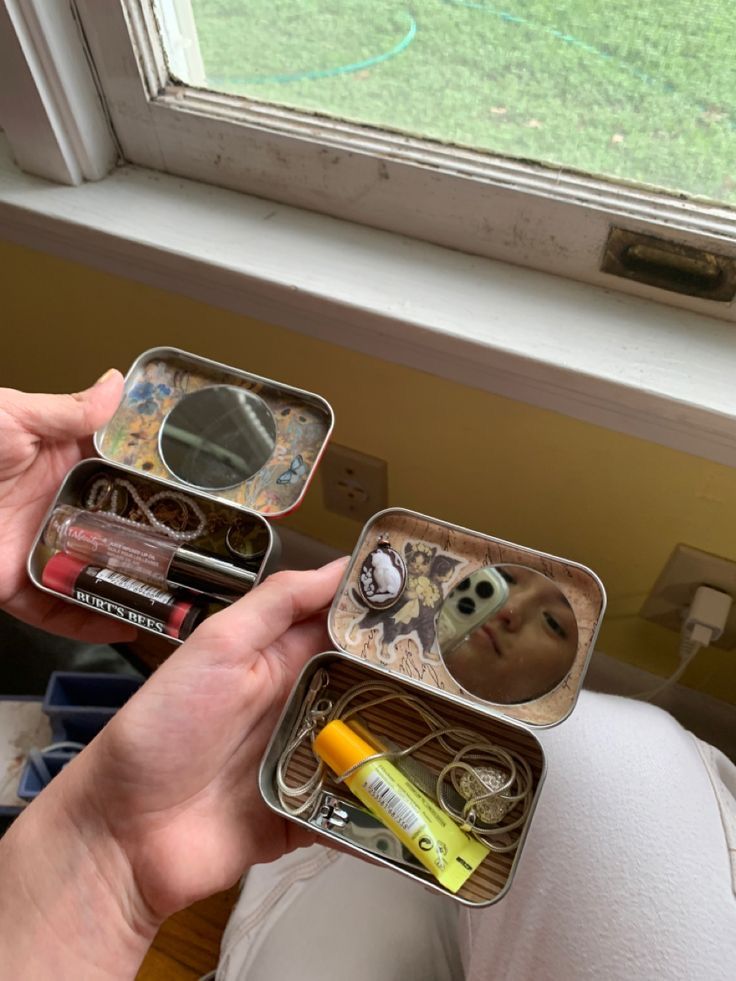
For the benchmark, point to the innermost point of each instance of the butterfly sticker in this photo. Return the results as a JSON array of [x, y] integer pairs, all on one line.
[[297, 469]]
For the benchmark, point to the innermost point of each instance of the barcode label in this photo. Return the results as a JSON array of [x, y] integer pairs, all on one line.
[[133, 585], [401, 812]]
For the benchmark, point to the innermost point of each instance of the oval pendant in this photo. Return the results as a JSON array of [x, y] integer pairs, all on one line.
[[382, 576]]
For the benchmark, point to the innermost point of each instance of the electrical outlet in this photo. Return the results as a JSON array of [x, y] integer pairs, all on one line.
[[353, 484], [686, 569]]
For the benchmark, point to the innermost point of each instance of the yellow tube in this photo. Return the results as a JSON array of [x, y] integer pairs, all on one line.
[[432, 836]]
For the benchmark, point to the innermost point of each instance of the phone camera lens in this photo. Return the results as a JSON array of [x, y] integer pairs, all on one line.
[[466, 605], [484, 589], [462, 586]]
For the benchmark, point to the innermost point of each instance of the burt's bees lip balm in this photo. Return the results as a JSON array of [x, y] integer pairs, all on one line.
[[432, 836], [116, 594]]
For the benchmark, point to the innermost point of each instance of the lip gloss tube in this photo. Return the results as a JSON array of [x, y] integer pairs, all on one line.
[[111, 592], [143, 554]]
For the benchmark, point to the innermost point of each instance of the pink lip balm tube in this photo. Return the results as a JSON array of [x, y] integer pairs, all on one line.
[[116, 594]]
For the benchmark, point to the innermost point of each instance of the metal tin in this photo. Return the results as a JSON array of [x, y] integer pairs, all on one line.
[[453, 550], [129, 446], [279, 741], [161, 377], [69, 493]]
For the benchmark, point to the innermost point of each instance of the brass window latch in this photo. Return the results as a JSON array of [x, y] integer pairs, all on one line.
[[669, 265]]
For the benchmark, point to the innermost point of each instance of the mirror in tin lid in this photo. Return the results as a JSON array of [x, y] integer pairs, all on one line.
[[217, 437], [507, 634]]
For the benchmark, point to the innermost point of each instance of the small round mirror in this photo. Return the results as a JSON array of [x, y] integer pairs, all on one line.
[[217, 437], [507, 634]]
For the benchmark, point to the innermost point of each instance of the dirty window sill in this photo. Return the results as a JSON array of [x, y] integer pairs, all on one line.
[[617, 361]]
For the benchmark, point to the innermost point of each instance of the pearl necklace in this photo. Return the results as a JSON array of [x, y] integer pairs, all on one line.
[[106, 489]]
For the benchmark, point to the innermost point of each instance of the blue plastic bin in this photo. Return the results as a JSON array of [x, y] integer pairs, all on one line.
[[33, 780], [79, 704]]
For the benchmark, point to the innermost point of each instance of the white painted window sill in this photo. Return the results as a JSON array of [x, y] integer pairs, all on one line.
[[614, 360]]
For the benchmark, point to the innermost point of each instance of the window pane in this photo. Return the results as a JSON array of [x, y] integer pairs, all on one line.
[[638, 91]]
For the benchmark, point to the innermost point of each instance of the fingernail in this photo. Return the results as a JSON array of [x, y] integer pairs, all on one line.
[[103, 378]]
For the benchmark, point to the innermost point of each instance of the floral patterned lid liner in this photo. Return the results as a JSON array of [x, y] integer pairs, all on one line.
[[161, 378], [402, 638]]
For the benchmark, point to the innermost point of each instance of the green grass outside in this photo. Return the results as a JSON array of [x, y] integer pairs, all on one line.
[[641, 91]]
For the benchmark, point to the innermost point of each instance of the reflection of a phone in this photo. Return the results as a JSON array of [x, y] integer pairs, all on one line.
[[473, 601]]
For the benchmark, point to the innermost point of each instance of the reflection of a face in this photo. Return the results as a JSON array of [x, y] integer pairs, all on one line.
[[525, 649]]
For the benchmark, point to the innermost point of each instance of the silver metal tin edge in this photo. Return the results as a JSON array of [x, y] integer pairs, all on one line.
[[277, 743], [469, 700], [248, 376], [90, 463]]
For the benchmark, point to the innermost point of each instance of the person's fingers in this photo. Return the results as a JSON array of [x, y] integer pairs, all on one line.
[[58, 617], [310, 635], [305, 639], [91, 628], [298, 645], [267, 612], [67, 417]]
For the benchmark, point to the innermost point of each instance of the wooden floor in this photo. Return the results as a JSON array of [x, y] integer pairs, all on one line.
[[187, 945]]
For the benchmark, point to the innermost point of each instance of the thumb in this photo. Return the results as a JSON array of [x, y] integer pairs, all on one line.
[[268, 611], [65, 417]]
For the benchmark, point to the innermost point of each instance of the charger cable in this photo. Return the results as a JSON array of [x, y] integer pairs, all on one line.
[[704, 623]]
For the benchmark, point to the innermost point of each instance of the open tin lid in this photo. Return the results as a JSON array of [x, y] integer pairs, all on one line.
[[231, 435], [504, 628]]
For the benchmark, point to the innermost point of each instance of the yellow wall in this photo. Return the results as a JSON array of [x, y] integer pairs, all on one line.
[[615, 503]]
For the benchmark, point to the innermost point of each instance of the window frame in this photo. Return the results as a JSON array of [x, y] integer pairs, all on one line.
[[635, 367], [531, 215], [50, 104]]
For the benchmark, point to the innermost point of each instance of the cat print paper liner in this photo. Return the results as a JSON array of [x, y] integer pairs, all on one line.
[[154, 386], [402, 638]]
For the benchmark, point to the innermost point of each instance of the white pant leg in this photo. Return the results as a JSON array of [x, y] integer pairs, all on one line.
[[317, 915], [625, 875]]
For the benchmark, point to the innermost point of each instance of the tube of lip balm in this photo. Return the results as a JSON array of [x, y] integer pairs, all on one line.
[[431, 835], [111, 592], [143, 554]]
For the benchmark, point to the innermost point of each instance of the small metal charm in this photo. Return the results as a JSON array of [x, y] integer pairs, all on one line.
[[485, 781], [246, 540], [382, 576]]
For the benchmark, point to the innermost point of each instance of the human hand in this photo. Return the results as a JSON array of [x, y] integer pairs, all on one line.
[[163, 807], [41, 438], [174, 774]]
